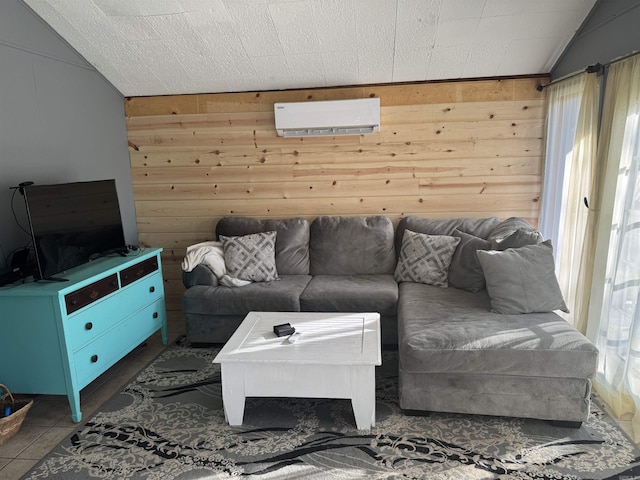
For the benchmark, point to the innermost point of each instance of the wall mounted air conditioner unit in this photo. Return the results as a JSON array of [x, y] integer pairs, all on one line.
[[328, 118]]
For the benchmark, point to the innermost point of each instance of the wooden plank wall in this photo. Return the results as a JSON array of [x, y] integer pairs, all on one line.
[[467, 148]]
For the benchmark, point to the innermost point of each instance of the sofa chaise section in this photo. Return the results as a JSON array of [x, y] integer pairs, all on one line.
[[457, 354]]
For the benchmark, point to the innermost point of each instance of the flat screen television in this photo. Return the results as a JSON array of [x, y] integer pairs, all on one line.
[[73, 223]]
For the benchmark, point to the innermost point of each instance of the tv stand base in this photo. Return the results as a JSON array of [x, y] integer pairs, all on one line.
[[58, 337]]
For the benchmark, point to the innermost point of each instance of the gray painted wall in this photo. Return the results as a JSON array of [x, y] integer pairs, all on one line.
[[612, 30], [60, 121]]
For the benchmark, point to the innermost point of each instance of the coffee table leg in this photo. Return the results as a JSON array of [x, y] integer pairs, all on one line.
[[233, 392], [363, 396]]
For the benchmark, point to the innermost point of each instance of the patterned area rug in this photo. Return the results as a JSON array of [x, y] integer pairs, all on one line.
[[169, 424]]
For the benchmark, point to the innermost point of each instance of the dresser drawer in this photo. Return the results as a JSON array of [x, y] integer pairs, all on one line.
[[84, 296], [84, 326], [97, 356], [89, 324], [143, 292], [139, 270]]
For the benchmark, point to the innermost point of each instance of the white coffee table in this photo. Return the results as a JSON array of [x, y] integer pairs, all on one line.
[[335, 357]]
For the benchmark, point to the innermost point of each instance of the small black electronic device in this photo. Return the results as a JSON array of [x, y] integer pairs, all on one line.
[[19, 259], [283, 330], [20, 267], [14, 274], [8, 276]]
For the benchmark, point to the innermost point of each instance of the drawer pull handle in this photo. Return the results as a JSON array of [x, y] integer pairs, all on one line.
[[88, 326], [94, 294], [152, 289], [94, 358], [155, 314], [74, 302]]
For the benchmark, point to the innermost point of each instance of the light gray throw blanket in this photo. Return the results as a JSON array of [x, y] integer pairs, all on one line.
[[211, 254]]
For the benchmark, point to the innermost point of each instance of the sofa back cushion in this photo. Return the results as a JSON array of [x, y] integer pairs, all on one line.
[[478, 227], [465, 271], [292, 239], [514, 232], [352, 246]]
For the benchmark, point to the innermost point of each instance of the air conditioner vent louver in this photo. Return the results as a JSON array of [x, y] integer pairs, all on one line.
[[328, 118]]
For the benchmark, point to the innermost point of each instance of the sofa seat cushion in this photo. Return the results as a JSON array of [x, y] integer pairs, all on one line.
[[280, 295], [351, 293], [453, 331]]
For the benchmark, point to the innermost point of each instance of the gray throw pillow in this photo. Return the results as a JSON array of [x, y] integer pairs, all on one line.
[[465, 271], [522, 280], [292, 239], [251, 257], [513, 233], [425, 258]]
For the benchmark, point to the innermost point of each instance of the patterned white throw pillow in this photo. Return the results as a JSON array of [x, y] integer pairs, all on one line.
[[251, 257], [425, 258]]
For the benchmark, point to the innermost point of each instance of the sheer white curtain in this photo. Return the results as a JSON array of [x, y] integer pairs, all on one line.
[[563, 107], [571, 134], [614, 314]]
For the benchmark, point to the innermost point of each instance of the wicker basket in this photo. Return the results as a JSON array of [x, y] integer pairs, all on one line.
[[10, 425]]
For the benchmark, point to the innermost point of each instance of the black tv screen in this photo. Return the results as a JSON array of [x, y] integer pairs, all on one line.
[[73, 223]]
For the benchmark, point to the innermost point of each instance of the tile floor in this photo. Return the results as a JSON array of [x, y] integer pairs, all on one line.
[[49, 420]]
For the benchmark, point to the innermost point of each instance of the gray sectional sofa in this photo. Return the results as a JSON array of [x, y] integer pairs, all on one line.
[[461, 348]]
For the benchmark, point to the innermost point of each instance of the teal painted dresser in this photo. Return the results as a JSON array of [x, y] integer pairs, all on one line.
[[57, 337]]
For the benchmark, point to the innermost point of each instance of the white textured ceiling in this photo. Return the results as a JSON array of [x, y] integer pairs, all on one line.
[[161, 47]]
